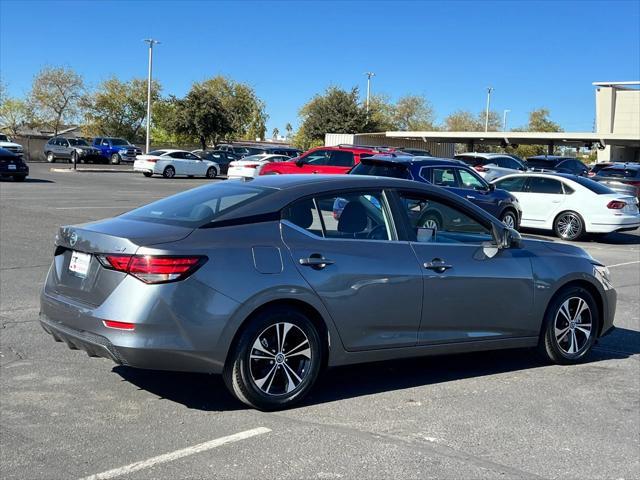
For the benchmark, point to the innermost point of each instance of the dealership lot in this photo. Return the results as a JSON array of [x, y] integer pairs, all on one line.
[[469, 416]]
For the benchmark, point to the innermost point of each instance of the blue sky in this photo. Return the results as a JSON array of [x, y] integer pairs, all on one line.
[[542, 53]]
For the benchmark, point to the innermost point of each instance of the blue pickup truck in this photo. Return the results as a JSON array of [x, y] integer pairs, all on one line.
[[116, 150]]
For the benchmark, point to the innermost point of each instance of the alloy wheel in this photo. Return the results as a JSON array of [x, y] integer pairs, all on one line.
[[508, 220], [573, 325], [280, 359], [569, 226]]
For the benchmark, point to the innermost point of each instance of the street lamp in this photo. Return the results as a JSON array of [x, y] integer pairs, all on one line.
[[151, 43], [369, 75], [504, 120], [486, 115]]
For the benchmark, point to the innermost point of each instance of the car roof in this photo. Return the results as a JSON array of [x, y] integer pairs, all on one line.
[[566, 176], [413, 160], [483, 154], [551, 158]]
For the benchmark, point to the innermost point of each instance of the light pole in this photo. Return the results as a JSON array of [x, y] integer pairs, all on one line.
[[369, 75], [504, 120], [486, 115], [151, 43]]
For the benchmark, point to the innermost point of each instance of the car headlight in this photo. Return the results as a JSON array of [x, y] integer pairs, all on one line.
[[601, 272], [123, 150]]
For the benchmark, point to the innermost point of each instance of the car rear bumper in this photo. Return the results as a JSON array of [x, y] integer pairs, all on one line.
[[614, 224]]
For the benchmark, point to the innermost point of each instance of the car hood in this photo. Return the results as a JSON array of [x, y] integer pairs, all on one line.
[[533, 242], [9, 144]]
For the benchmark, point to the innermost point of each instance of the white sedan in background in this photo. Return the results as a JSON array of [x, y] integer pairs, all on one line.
[[249, 167], [170, 163], [570, 205]]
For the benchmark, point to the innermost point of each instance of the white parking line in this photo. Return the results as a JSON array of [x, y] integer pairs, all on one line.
[[185, 452], [622, 264]]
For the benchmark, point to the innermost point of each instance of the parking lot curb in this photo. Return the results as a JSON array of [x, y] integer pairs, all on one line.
[[89, 170]]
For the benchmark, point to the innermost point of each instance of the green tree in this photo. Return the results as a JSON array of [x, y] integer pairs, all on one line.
[[462, 121], [335, 111], [245, 111], [289, 130], [14, 114], [414, 113], [119, 108], [200, 115], [381, 113], [55, 95]]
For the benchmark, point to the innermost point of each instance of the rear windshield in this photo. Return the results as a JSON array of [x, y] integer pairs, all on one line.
[[534, 163], [199, 206], [595, 187], [474, 161], [381, 170], [619, 172]]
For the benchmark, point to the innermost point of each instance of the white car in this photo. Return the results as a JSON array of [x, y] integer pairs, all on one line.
[[570, 205], [170, 163], [491, 166], [249, 167], [7, 144]]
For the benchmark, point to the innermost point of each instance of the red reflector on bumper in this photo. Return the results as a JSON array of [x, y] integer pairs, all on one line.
[[119, 325]]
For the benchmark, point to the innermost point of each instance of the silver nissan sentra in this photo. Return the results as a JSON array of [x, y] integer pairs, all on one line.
[[269, 281]]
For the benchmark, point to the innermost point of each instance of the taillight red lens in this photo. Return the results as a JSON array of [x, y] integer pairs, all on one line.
[[119, 325], [480, 168], [591, 174], [250, 165], [154, 269], [616, 204]]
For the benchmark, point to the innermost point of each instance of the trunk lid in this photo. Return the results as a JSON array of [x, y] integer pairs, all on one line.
[[76, 272]]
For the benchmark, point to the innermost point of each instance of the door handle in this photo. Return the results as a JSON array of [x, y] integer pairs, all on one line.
[[437, 265], [555, 201], [471, 197], [316, 261]]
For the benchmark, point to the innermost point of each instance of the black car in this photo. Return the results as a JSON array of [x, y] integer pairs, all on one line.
[[621, 177], [453, 175], [12, 165], [221, 157], [557, 164]]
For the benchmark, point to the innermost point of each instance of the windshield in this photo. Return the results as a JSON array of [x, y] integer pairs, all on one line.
[[539, 163], [199, 206], [619, 172], [119, 141], [77, 142], [381, 170]]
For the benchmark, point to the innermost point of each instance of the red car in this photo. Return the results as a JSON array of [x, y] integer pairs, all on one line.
[[327, 160]]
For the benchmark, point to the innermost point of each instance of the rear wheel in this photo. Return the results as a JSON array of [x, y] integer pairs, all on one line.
[[169, 172], [509, 218], [19, 178], [212, 172], [570, 326], [276, 361], [568, 226], [115, 159], [147, 174]]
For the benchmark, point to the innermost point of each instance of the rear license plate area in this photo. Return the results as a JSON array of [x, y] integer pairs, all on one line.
[[79, 264]]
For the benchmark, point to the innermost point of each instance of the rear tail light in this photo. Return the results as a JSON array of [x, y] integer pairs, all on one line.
[[591, 174], [153, 160], [616, 204], [480, 168], [119, 325], [153, 269], [250, 165]]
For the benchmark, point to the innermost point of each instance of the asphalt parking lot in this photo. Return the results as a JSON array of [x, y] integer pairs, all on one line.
[[486, 415]]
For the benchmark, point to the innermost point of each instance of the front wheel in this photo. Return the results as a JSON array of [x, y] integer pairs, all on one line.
[[568, 226], [277, 360], [212, 173], [570, 326], [51, 158], [19, 178], [509, 219], [115, 159], [169, 172]]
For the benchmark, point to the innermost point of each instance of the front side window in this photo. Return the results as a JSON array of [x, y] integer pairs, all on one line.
[[360, 216], [319, 157], [513, 184], [469, 180], [434, 221], [544, 185]]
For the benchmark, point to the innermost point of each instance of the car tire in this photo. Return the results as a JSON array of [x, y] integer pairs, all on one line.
[[115, 159], [510, 219], [212, 173], [431, 220], [147, 174], [50, 157], [259, 372], [568, 225], [570, 327], [169, 172], [19, 178], [73, 158]]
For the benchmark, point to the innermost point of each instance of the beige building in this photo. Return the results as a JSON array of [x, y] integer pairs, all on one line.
[[618, 112]]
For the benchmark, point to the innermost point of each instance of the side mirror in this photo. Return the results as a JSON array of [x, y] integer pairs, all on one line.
[[492, 187], [509, 238], [299, 162]]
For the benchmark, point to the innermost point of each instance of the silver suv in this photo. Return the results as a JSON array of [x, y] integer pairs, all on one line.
[[74, 150]]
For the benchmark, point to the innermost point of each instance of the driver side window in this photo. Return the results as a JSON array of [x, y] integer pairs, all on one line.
[[434, 221], [468, 180], [320, 157]]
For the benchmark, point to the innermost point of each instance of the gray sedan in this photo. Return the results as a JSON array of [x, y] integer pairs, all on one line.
[[267, 282]]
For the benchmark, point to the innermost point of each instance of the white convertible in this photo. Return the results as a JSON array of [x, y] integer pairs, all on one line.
[[170, 163], [570, 205]]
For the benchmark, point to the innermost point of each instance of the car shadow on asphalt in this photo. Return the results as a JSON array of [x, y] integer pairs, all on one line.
[[27, 180], [208, 392]]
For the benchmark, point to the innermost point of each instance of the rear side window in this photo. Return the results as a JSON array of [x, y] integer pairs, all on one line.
[[544, 185], [341, 159], [513, 184], [197, 207], [382, 170]]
